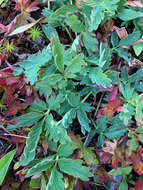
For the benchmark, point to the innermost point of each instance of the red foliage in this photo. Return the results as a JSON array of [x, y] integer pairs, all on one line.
[[112, 106], [139, 185], [105, 157]]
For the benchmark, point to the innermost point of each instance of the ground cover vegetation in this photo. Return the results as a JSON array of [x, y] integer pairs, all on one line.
[[71, 94]]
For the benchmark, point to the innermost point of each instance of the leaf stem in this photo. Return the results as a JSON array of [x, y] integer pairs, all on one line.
[[49, 4], [99, 103], [85, 98], [71, 38]]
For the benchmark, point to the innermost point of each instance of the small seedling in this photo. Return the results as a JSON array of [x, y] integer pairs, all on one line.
[[9, 47], [35, 33]]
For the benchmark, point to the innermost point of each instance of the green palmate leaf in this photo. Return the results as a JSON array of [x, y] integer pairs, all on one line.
[[89, 156], [58, 53], [74, 168], [45, 86], [38, 106], [73, 99], [83, 120], [128, 112], [62, 11], [32, 65], [97, 76], [113, 133], [75, 23], [97, 15], [31, 144], [124, 54], [35, 183], [76, 65], [133, 143], [43, 165], [43, 183], [138, 48], [55, 131], [49, 31], [114, 39], [90, 42], [65, 150], [130, 38], [55, 180], [27, 119], [111, 6], [140, 136], [127, 91], [4, 164], [123, 185], [129, 14], [68, 118], [75, 43], [54, 102], [121, 171]]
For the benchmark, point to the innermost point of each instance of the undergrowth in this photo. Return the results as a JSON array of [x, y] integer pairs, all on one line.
[[71, 94]]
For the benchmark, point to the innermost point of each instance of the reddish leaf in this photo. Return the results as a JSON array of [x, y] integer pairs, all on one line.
[[33, 6], [3, 57], [122, 32], [110, 146], [138, 167], [11, 80], [2, 82], [135, 4], [105, 157], [115, 161], [45, 145], [10, 93], [20, 148], [112, 106], [27, 5], [139, 185], [110, 109], [114, 94], [14, 107], [9, 26], [103, 176]]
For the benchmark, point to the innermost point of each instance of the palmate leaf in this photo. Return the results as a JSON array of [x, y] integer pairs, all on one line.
[[97, 76], [129, 14], [31, 144], [74, 101], [97, 15], [55, 180], [74, 168], [45, 86], [121, 171], [43, 165], [111, 6], [113, 133], [27, 119], [90, 42], [68, 118], [4, 164], [83, 120], [58, 53], [62, 11], [130, 39], [54, 102], [32, 65], [56, 131], [77, 64], [75, 23], [65, 150], [38, 106]]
